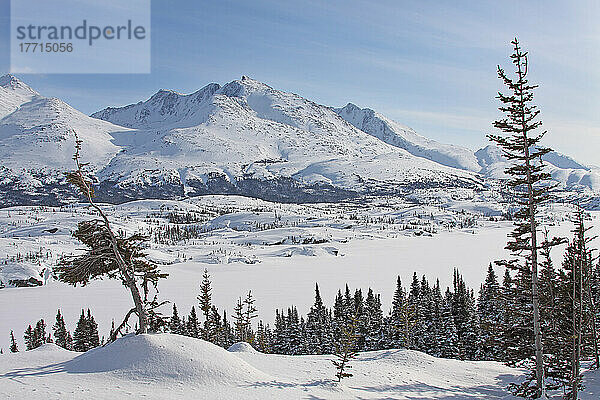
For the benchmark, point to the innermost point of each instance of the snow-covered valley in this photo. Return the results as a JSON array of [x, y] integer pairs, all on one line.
[[279, 251], [270, 193]]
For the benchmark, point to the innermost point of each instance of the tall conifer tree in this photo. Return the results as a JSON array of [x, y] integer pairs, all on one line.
[[521, 146]]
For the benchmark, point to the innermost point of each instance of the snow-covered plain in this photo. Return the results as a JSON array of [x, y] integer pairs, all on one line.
[[277, 251], [172, 366]]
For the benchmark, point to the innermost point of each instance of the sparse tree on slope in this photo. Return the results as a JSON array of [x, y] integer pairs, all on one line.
[[205, 298], [13, 343], [29, 338], [345, 350], [109, 254]]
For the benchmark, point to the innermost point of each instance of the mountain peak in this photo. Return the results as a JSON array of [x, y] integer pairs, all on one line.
[[10, 81]]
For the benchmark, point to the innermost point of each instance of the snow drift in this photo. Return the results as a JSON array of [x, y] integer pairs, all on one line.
[[166, 357], [170, 366]]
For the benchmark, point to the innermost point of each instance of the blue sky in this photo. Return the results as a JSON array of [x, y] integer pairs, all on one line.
[[427, 64]]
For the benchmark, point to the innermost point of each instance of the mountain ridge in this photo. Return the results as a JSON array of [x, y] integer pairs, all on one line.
[[243, 137]]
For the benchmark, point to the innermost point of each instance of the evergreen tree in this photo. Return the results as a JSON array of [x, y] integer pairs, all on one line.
[[250, 313], [175, 325], [489, 309], [228, 334], [339, 316], [415, 304], [448, 336], [205, 298], [437, 323], [465, 318], [427, 324], [39, 334], [401, 320], [374, 332], [239, 324], [85, 336], [29, 338], [280, 334], [357, 309], [576, 331], [61, 334], [192, 324], [91, 335], [264, 338], [216, 334], [13, 343], [522, 147], [294, 332], [345, 350], [319, 329], [109, 254]]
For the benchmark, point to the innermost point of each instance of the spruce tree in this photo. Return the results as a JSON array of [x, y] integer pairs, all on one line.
[[415, 304], [250, 312], [521, 146], [80, 342], [175, 325], [61, 334], [228, 334], [13, 343], [489, 309], [204, 298], [39, 334], [448, 342], [280, 333], [318, 327], [374, 332], [192, 324], [239, 324], [578, 335], [216, 334], [91, 334], [29, 338], [357, 309], [401, 320]]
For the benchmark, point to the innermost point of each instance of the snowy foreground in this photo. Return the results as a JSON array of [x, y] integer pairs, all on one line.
[[172, 366]]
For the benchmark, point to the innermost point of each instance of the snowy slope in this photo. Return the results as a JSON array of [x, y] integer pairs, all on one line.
[[37, 143], [488, 161], [14, 93], [404, 137], [172, 366], [568, 173], [248, 130]]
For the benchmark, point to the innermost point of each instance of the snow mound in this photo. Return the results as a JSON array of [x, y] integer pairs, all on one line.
[[241, 347], [166, 357]]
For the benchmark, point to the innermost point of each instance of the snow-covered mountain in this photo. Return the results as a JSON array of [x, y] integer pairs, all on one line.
[[36, 144], [244, 138], [405, 138], [568, 173], [241, 138], [246, 132], [489, 161]]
